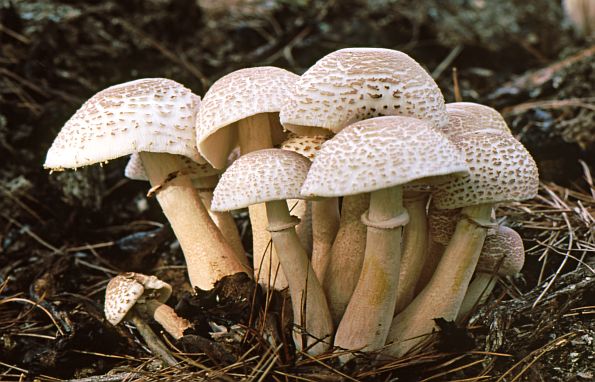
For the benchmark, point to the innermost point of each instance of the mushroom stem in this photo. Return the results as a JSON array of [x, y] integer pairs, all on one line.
[[325, 224], [346, 255], [477, 293], [208, 255], [166, 317], [310, 309], [368, 316], [254, 133], [153, 342], [415, 239], [444, 293]]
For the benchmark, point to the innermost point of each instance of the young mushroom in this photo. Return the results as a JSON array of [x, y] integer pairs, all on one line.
[[241, 110], [271, 177], [129, 296], [147, 295], [502, 255], [154, 117], [379, 156]]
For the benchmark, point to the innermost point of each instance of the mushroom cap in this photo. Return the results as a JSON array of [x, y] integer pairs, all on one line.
[[235, 96], [307, 146], [353, 84], [500, 170], [261, 176], [502, 252], [379, 153], [135, 170], [151, 114], [468, 116], [124, 290]]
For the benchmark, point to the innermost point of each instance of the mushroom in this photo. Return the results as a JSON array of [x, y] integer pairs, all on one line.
[[379, 156], [502, 255], [500, 170], [130, 295], [154, 117], [462, 117], [204, 178], [343, 87], [241, 109], [272, 176], [325, 212]]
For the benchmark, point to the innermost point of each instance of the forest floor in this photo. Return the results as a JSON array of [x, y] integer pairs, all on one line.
[[64, 235]]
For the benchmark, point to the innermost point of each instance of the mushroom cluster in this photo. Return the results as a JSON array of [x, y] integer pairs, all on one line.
[[392, 190]]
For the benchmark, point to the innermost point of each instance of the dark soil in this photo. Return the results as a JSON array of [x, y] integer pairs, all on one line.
[[62, 236]]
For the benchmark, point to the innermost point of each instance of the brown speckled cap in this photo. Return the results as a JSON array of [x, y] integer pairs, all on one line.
[[307, 146], [135, 170], [359, 83], [124, 290], [468, 116], [500, 170], [502, 252], [152, 114], [261, 176], [379, 153], [238, 95]]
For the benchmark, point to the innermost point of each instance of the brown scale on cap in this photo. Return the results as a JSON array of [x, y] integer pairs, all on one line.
[[304, 145], [468, 116], [359, 83], [153, 114], [502, 252], [236, 96], [264, 175], [500, 170], [379, 153]]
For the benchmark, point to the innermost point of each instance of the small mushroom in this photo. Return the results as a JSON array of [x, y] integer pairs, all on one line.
[[272, 176], [129, 296], [502, 255]]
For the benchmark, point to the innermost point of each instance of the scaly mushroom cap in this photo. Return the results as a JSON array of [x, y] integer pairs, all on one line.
[[468, 116], [502, 252], [152, 114], [304, 145], [135, 170], [261, 176], [500, 170], [124, 290], [442, 224], [359, 83], [238, 95], [379, 153]]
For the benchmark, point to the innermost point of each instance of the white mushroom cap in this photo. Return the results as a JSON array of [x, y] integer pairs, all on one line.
[[500, 170], [238, 95], [152, 114], [307, 146], [358, 83], [124, 290], [135, 170], [261, 176], [468, 116], [379, 153], [502, 252]]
